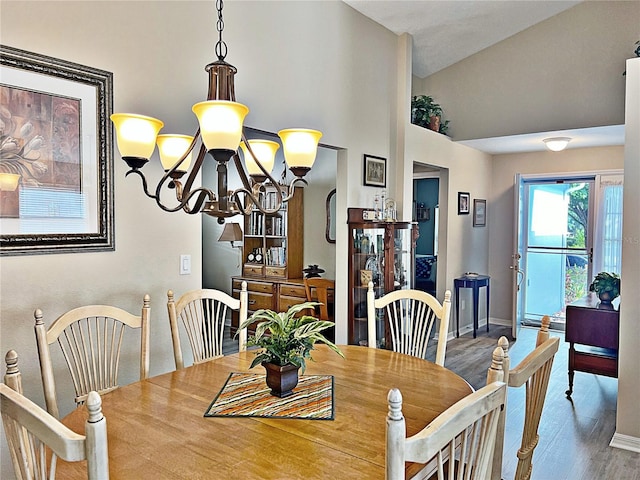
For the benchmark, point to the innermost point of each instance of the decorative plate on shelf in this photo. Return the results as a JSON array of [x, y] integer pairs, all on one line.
[[372, 264]]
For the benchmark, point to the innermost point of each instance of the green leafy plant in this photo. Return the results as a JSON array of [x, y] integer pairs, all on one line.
[[423, 108], [606, 282], [287, 338]]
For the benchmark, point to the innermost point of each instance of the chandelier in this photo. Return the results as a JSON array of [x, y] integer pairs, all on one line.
[[220, 133]]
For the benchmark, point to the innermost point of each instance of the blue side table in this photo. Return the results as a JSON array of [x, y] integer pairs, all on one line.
[[474, 282]]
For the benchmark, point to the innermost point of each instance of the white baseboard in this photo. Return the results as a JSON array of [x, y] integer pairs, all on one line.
[[482, 326], [504, 322], [625, 442]]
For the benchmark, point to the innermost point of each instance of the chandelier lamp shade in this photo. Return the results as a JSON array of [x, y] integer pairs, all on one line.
[[9, 182], [220, 135]]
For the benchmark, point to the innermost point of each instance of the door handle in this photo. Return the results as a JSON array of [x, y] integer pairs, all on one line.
[[516, 267]]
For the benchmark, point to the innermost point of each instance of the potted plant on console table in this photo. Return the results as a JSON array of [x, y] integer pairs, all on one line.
[[607, 286], [287, 340]]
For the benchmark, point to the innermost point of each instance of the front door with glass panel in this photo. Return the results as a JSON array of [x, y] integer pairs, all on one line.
[[557, 246]]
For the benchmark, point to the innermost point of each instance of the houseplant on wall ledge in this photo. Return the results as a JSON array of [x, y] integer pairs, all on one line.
[[606, 285], [428, 114], [287, 340]]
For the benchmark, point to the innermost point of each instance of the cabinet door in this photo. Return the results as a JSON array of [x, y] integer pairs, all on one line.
[[403, 257], [366, 263]]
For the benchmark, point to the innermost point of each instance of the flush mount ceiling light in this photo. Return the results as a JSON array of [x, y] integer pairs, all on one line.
[[220, 133], [556, 144]]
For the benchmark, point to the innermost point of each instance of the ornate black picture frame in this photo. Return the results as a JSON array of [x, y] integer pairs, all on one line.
[[375, 171], [58, 135]]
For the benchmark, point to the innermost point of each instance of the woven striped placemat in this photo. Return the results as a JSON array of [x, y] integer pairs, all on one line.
[[247, 395]]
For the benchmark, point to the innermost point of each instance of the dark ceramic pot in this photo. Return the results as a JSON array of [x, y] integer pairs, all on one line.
[[281, 379], [605, 297]]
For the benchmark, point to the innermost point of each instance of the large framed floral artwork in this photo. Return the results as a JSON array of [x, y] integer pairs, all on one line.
[[56, 159]]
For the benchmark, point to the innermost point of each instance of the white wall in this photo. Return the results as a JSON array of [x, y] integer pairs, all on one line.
[[563, 73], [628, 421]]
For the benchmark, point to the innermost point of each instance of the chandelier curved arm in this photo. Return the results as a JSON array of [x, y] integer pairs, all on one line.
[[144, 182], [204, 196], [184, 194]]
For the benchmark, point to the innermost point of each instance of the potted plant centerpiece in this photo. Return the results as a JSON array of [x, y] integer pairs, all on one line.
[[606, 285], [287, 339]]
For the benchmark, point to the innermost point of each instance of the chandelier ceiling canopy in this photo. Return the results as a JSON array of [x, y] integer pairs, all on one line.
[[220, 134]]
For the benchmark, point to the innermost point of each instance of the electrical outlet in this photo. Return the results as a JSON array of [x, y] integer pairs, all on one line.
[[185, 264]]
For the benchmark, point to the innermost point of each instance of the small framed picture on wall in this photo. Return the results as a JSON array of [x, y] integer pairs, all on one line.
[[479, 213], [375, 171], [463, 203]]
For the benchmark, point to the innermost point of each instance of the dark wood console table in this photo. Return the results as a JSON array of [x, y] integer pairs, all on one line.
[[594, 328], [473, 281]]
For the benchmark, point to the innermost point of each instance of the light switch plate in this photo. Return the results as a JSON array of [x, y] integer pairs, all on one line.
[[185, 264]]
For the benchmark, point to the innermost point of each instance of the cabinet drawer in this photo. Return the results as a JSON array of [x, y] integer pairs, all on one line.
[[293, 290], [255, 270], [280, 272], [260, 300], [285, 302], [260, 287]]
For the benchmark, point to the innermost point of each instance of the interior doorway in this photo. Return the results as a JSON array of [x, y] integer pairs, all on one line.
[[426, 192]]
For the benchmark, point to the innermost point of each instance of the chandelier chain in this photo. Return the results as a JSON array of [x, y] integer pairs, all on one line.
[[221, 46]]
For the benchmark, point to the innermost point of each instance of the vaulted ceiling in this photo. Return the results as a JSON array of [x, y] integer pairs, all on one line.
[[445, 32]]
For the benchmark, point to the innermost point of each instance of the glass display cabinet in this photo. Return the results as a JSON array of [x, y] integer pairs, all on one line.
[[381, 252]]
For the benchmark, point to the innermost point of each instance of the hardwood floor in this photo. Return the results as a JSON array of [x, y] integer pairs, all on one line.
[[574, 434]]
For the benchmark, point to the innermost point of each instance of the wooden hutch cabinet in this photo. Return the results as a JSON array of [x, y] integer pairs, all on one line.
[[272, 256], [384, 253]]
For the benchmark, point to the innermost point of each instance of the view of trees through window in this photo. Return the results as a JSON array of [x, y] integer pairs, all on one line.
[[577, 265]]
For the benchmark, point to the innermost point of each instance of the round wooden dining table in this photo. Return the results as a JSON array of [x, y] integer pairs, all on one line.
[[157, 429]]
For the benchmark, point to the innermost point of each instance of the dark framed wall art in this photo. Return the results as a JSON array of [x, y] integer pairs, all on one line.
[[463, 203], [57, 142], [375, 171], [479, 213]]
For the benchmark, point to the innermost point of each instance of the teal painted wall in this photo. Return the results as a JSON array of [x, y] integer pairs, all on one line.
[[425, 190]]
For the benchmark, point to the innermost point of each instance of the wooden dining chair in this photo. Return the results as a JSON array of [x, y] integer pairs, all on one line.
[[533, 371], [322, 287], [411, 315], [90, 338], [36, 439], [459, 443], [203, 314]]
